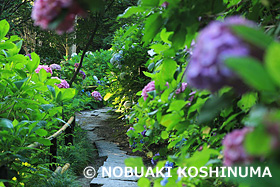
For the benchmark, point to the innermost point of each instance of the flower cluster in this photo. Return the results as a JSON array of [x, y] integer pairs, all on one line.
[[77, 65], [45, 67], [182, 88], [96, 96], [45, 12], [148, 88], [63, 83], [214, 45], [234, 152], [83, 73], [55, 67]]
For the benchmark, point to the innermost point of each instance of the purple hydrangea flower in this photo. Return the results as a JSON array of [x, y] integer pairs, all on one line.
[[45, 67], [29, 55], [153, 160], [131, 129], [63, 83], [55, 67], [144, 133], [83, 73], [96, 96], [44, 12], [234, 152], [214, 45], [148, 88]]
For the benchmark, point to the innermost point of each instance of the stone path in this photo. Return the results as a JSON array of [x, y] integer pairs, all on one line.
[[90, 121]]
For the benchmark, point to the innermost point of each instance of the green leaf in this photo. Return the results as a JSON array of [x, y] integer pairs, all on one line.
[[67, 94], [47, 107], [41, 132], [4, 28], [144, 182], [152, 27], [5, 123], [44, 141], [247, 101], [32, 65], [253, 35], [52, 90], [149, 3], [252, 72], [272, 61], [258, 142], [169, 120], [131, 10], [43, 75], [177, 105], [164, 135], [107, 96], [134, 162], [20, 83], [168, 69]]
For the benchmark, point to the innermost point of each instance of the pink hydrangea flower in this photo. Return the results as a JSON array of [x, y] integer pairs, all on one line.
[[55, 66], [182, 88], [44, 12], [234, 152], [63, 83], [45, 67], [96, 96], [77, 65], [148, 88]]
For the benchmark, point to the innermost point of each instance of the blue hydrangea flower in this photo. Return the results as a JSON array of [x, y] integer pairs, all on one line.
[[214, 45], [164, 181]]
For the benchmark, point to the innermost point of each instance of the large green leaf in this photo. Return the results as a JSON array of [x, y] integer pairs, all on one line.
[[5, 123], [4, 28], [152, 27], [253, 35], [20, 83], [247, 101], [272, 61], [32, 65], [168, 69], [252, 72]]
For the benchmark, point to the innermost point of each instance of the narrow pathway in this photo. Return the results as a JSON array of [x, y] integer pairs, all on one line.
[[108, 151]]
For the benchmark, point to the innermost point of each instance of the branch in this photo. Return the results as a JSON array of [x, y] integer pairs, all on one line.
[[83, 55], [88, 44]]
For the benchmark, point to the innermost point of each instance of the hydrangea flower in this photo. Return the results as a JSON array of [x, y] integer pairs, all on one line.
[[44, 12], [83, 73], [153, 160], [63, 83], [165, 180], [234, 152], [45, 67], [131, 129], [182, 88], [169, 164], [96, 96], [148, 88], [55, 67], [29, 55], [77, 65], [214, 45], [143, 133]]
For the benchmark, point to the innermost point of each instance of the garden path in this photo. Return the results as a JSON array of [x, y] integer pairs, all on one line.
[[108, 151]]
